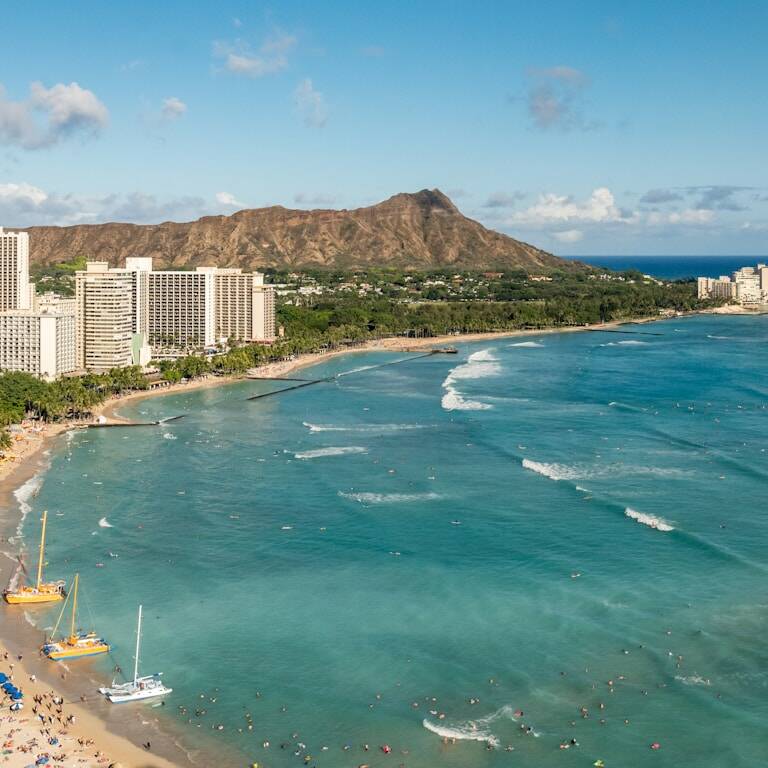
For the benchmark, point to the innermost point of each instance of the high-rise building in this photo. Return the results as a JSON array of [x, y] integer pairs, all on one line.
[[105, 316], [245, 307], [182, 311], [15, 292], [176, 312], [263, 328], [40, 343]]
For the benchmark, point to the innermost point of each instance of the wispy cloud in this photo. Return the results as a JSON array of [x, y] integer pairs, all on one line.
[[23, 205], [229, 200], [311, 104], [271, 56], [302, 198], [173, 108], [714, 197], [50, 115], [555, 99], [503, 200]]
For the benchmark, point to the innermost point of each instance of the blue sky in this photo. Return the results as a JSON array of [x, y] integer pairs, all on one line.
[[585, 128]]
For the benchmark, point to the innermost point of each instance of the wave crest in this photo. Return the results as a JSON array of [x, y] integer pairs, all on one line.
[[479, 365], [331, 451], [388, 498], [651, 521]]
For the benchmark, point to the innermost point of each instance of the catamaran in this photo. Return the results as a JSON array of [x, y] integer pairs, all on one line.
[[79, 643], [41, 592], [146, 687]]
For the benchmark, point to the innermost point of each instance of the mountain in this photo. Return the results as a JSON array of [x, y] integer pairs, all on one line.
[[421, 230]]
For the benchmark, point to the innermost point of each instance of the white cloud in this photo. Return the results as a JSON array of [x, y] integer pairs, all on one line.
[[311, 104], [568, 235], [49, 115], [173, 108], [600, 206], [687, 216], [271, 57], [25, 205], [228, 199]]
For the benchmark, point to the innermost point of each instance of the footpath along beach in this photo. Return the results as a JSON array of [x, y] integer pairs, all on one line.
[[87, 732]]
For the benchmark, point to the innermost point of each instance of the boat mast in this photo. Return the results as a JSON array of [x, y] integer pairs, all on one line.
[[74, 606], [138, 643], [42, 551]]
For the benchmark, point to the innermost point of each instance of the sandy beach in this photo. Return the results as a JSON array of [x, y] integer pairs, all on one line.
[[83, 730]]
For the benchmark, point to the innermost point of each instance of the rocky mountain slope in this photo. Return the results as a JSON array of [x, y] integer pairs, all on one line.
[[422, 230]]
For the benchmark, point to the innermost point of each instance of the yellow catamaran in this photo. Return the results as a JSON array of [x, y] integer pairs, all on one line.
[[79, 643], [41, 592]]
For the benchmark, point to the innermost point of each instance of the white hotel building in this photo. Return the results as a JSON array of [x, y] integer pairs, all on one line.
[[37, 334], [123, 314], [747, 286]]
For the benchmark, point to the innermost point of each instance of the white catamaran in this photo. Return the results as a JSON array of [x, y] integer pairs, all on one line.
[[146, 687]]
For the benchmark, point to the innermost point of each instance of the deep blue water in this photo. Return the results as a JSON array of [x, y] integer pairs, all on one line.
[[675, 267], [349, 560]]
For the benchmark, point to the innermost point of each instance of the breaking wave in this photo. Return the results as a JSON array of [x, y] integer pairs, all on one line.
[[331, 451], [23, 494], [528, 344], [552, 471], [478, 366], [104, 523], [650, 520], [472, 730], [363, 427], [556, 471], [388, 498], [692, 680], [169, 436]]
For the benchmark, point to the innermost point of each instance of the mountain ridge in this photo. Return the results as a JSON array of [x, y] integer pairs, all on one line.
[[417, 230]]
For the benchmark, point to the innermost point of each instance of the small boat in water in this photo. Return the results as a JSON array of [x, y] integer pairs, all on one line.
[[41, 592], [140, 688], [78, 643]]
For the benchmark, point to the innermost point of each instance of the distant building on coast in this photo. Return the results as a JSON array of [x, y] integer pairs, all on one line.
[[746, 286]]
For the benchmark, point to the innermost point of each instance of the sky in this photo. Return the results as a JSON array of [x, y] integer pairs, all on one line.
[[585, 128]]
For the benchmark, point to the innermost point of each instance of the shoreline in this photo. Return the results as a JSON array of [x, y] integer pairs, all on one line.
[[117, 736]]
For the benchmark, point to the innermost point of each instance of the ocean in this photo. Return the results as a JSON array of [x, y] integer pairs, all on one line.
[[675, 267], [483, 547]]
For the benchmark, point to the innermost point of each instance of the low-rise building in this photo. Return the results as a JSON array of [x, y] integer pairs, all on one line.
[[40, 343]]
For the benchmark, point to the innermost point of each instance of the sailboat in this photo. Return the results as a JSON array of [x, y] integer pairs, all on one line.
[[78, 643], [146, 687], [42, 592]]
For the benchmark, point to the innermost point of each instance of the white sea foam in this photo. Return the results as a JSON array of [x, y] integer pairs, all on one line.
[[389, 498], [104, 523], [650, 520], [527, 344], [363, 427], [552, 471], [331, 451], [479, 365], [355, 370], [633, 343], [693, 680], [23, 494], [169, 436], [473, 730], [556, 471]]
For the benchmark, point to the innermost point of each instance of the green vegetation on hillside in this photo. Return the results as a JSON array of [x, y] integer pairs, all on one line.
[[59, 278]]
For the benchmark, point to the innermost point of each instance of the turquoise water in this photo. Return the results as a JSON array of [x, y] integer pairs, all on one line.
[[334, 596]]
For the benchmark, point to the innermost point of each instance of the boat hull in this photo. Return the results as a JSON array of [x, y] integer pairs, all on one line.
[[31, 596], [125, 698]]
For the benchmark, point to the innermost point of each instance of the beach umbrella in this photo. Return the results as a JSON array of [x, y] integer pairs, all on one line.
[[17, 695], [3, 677]]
